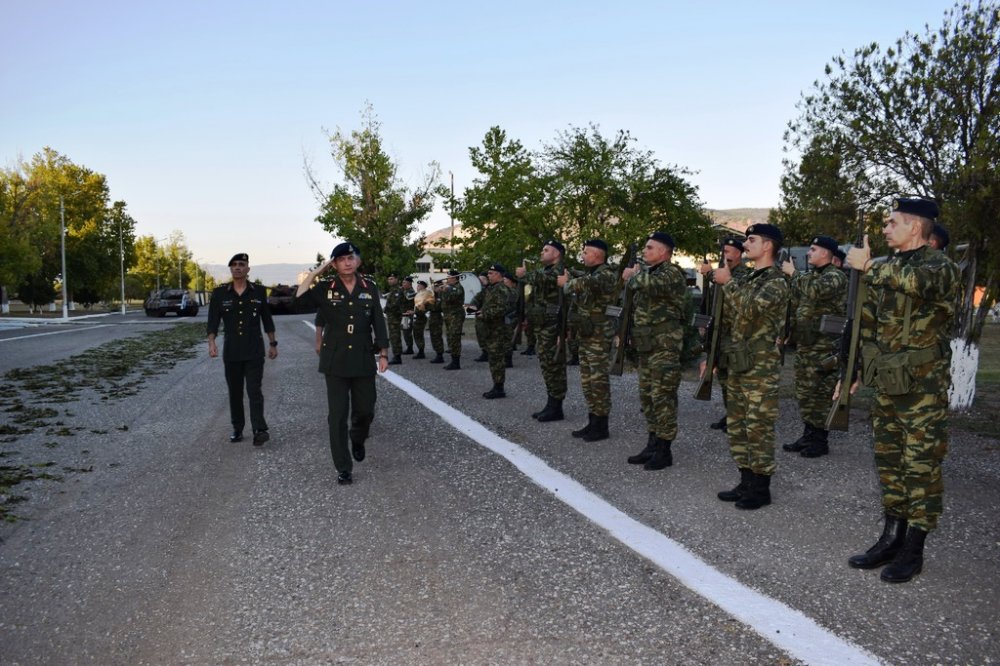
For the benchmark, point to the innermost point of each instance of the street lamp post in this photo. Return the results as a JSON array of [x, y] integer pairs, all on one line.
[[121, 256], [62, 236], [451, 215]]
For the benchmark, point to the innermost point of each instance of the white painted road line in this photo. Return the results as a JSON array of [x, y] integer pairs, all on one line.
[[38, 335]]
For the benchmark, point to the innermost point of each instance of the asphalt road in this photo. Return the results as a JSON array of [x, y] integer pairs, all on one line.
[[180, 547]]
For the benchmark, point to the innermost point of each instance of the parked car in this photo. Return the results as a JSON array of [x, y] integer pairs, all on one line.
[[178, 301]]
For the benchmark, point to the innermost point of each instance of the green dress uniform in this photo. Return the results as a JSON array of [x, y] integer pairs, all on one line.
[[354, 333], [242, 316]]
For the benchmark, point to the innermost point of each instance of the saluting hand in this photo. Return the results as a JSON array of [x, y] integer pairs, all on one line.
[[722, 275], [561, 280], [520, 271], [629, 272], [858, 258]]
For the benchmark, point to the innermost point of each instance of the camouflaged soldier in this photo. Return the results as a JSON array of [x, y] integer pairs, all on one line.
[[821, 291], [732, 258], [422, 297], [453, 309], [409, 293], [435, 324], [543, 314], [476, 305], [495, 317], [512, 317], [906, 324], [759, 306], [594, 291], [660, 292], [394, 317]]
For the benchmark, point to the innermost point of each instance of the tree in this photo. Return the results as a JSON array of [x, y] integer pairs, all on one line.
[[923, 116], [19, 255], [371, 207]]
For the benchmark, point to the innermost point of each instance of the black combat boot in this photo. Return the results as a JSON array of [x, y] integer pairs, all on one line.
[[529, 351], [396, 360], [736, 493], [552, 412], [573, 360], [408, 350], [719, 425], [802, 442], [454, 365], [643, 456], [885, 549], [495, 392], [758, 493], [419, 355], [909, 561], [438, 358], [483, 356], [661, 457], [508, 359], [585, 429], [547, 407], [599, 431], [819, 446]]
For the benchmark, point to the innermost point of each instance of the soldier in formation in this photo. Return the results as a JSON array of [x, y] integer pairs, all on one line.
[[453, 310], [406, 325], [495, 314], [435, 323], [394, 317], [422, 296]]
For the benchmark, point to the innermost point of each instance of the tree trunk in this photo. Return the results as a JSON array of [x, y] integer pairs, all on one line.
[[964, 364]]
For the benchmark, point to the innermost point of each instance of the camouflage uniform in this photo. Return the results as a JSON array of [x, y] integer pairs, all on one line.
[[543, 316], [494, 314], [594, 291], [819, 292], [453, 309], [394, 317], [407, 306], [910, 423], [481, 332], [657, 336], [419, 325], [738, 273], [757, 305], [435, 325]]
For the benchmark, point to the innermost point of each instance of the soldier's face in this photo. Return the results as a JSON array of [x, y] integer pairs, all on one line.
[[901, 230], [239, 269], [732, 255], [346, 264], [592, 256], [818, 256], [655, 253], [493, 276], [391, 280], [549, 255], [756, 247]]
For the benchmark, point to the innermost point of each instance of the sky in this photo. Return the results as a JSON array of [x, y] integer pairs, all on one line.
[[203, 114]]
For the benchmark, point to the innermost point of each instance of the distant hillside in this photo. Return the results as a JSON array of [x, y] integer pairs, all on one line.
[[739, 218], [268, 274]]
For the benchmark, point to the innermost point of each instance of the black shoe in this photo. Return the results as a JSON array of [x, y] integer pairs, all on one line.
[[438, 359], [885, 549], [802, 442], [719, 425], [259, 437], [419, 355], [454, 365], [548, 406], [409, 350], [529, 351], [396, 360], [345, 479], [643, 456], [495, 392], [574, 360], [358, 448], [661, 458], [585, 429], [508, 360], [909, 561], [819, 446], [736, 494], [483, 356], [552, 412], [758, 493], [599, 431], [236, 436]]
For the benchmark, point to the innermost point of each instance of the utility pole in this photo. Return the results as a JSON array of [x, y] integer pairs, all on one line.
[[62, 235]]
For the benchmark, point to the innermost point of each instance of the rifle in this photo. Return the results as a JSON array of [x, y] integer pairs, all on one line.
[[713, 333], [623, 313], [783, 256], [560, 352], [849, 329]]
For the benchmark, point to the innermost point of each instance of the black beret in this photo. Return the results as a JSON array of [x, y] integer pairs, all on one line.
[[344, 249], [919, 207], [423, 282], [556, 244], [767, 231], [393, 274], [598, 243], [825, 242], [662, 237], [239, 256], [840, 254], [734, 242], [942, 235], [497, 268], [508, 276], [453, 273], [408, 278]]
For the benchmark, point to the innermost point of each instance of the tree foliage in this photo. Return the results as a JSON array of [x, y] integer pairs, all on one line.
[[919, 117]]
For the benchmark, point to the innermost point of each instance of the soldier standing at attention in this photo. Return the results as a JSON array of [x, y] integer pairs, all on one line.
[[435, 324], [453, 309], [476, 306], [906, 323], [732, 258], [353, 334], [421, 298], [394, 317], [594, 291], [821, 291], [543, 315], [407, 322], [512, 298], [759, 306], [658, 323], [242, 307], [494, 313]]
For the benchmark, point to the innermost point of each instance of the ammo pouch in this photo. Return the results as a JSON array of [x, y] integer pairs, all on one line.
[[739, 355], [890, 372]]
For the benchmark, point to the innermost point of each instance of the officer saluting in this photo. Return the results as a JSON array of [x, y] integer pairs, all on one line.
[[355, 332], [242, 307]]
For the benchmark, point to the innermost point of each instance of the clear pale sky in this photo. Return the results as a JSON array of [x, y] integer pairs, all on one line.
[[201, 113]]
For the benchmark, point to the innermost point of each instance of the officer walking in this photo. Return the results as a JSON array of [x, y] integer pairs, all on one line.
[[453, 310], [821, 291], [241, 307], [906, 324], [354, 333]]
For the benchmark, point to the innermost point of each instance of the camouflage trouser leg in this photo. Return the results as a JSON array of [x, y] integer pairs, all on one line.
[[594, 359], [573, 343], [408, 337], [453, 325], [553, 373], [911, 440], [496, 348], [529, 335], [482, 338], [659, 377], [395, 335], [722, 374], [511, 332], [751, 414], [814, 385], [436, 327], [419, 324]]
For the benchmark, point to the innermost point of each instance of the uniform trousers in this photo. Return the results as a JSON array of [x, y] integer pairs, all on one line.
[[354, 397], [751, 412], [250, 373]]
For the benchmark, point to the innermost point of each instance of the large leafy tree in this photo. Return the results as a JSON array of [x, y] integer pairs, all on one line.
[[370, 206], [923, 116]]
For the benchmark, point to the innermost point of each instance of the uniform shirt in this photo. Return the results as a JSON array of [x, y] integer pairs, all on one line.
[[496, 301], [453, 300], [931, 281], [394, 302], [241, 316], [818, 292], [355, 327], [594, 291], [759, 304], [544, 293], [659, 296]]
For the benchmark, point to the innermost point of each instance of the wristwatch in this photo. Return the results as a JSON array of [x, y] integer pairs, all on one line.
[[274, 343]]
